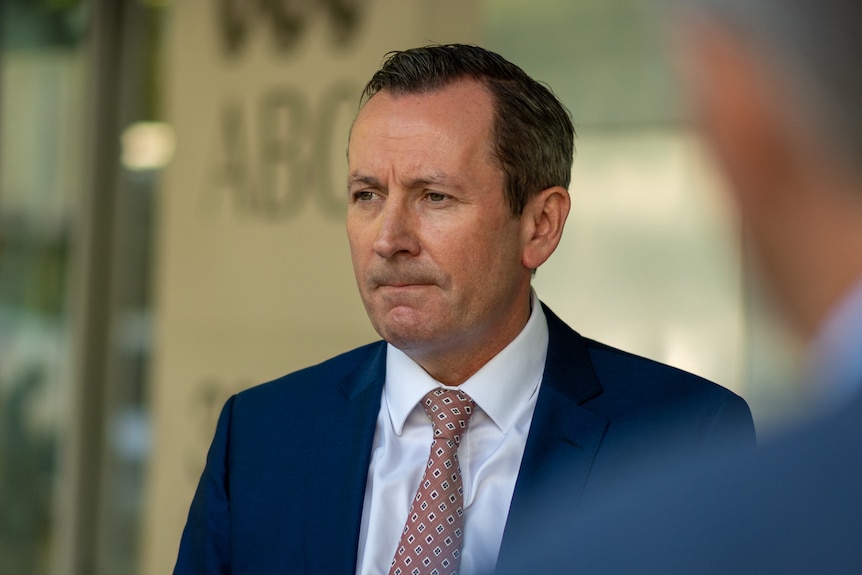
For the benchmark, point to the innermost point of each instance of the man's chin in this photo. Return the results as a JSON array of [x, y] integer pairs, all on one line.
[[405, 333]]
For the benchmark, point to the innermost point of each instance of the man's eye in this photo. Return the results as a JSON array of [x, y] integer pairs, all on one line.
[[436, 196], [363, 196]]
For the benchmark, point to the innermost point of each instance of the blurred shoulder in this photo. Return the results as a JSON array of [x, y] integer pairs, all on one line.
[[321, 379]]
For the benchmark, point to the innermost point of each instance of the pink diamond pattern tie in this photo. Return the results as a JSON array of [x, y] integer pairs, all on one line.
[[431, 541]]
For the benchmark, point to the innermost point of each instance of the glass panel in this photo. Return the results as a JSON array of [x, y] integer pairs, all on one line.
[[41, 98]]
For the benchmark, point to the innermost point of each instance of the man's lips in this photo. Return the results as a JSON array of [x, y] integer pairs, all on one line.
[[401, 280], [404, 284], [400, 289]]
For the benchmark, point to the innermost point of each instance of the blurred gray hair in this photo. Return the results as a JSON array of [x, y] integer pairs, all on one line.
[[816, 47]]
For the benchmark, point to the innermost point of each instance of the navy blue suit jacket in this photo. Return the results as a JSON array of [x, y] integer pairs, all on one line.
[[794, 506], [284, 482]]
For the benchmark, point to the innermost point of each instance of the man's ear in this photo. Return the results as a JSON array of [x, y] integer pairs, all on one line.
[[542, 225]]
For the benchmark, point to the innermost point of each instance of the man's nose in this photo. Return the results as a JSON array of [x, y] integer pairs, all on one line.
[[397, 232]]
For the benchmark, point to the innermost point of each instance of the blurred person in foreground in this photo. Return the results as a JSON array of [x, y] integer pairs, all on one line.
[[776, 89], [458, 167]]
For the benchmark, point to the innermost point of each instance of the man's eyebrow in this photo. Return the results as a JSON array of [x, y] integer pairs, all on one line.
[[433, 179], [436, 178], [359, 179]]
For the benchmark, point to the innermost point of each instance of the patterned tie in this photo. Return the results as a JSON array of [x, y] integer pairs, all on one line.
[[431, 541]]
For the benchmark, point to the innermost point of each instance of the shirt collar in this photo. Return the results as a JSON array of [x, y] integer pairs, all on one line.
[[499, 388]]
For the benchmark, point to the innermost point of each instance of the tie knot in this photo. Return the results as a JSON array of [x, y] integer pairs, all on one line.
[[449, 411]]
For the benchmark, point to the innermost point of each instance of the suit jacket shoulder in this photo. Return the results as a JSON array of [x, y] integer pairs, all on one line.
[[345, 373], [288, 458], [640, 396], [603, 414], [793, 506]]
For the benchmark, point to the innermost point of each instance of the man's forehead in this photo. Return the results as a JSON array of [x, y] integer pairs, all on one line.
[[425, 120], [463, 94], [454, 84]]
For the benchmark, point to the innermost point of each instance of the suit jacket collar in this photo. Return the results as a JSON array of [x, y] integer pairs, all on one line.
[[564, 436], [338, 456]]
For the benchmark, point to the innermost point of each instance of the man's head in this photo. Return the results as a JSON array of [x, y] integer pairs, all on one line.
[[532, 134], [775, 88], [442, 259]]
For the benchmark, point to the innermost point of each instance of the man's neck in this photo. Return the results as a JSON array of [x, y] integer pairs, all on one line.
[[458, 361]]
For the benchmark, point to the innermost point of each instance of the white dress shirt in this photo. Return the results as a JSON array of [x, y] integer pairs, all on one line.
[[505, 391]]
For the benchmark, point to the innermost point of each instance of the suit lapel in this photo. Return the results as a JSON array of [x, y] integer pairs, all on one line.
[[564, 437], [337, 467]]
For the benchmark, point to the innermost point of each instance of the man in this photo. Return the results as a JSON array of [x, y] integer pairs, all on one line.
[[458, 167], [776, 89]]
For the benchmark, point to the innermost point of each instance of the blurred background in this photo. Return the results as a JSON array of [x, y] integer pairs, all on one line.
[[171, 204]]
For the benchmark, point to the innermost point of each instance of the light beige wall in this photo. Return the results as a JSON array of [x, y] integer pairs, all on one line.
[[253, 279]]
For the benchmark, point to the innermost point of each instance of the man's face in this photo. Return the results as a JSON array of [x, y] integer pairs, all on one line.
[[436, 252]]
